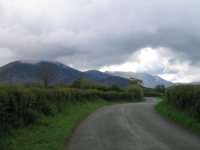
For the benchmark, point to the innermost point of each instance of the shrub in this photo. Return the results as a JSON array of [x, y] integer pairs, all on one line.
[[185, 97], [137, 90], [30, 116], [154, 94]]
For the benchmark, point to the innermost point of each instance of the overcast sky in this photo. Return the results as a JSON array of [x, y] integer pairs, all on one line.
[[160, 37]]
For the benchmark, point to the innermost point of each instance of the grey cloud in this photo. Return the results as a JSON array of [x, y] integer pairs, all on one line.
[[172, 61], [98, 33]]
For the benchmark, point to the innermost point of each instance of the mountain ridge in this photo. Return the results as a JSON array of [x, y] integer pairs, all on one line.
[[148, 80], [17, 71], [21, 71]]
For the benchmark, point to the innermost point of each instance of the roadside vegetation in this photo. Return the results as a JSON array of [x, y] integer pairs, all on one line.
[[182, 105], [43, 116], [158, 91], [37, 117], [50, 132]]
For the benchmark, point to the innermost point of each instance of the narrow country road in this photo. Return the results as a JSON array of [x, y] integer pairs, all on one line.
[[131, 126]]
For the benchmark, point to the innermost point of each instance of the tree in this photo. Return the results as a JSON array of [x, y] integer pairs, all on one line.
[[46, 73], [82, 83], [160, 88], [87, 83], [115, 87], [135, 81], [77, 83]]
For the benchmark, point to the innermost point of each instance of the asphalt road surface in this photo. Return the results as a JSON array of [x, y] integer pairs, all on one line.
[[131, 126]]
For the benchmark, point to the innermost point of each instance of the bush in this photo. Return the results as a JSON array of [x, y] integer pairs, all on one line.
[[137, 90], [153, 94], [30, 116], [185, 97]]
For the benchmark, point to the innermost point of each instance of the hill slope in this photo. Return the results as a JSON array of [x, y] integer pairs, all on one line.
[[148, 80], [123, 82], [22, 72], [99, 74]]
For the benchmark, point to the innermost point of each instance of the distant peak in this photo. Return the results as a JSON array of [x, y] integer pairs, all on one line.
[[32, 62], [35, 62], [157, 78], [93, 70]]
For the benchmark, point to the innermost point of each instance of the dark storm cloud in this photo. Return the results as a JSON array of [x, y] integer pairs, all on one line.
[[92, 34]]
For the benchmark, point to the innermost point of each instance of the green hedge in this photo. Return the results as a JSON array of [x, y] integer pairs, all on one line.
[[21, 106], [137, 90], [185, 97], [154, 94]]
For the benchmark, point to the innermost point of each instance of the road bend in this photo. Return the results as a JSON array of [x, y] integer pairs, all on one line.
[[131, 126]]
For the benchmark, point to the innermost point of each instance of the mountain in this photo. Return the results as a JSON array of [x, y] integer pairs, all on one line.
[[148, 80], [123, 82], [164, 82], [195, 82], [22, 72], [99, 74], [16, 72], [122, 78]]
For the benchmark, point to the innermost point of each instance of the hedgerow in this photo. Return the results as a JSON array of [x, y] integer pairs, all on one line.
[[185, 97], [21, 106], [153, 94], [137, 92]]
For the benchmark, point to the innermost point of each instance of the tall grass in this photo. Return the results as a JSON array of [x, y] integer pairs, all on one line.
[[181, 117], [182, 105]]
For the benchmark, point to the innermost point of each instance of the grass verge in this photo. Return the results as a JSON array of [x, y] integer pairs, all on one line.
[[50, 133], [182, 118]]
